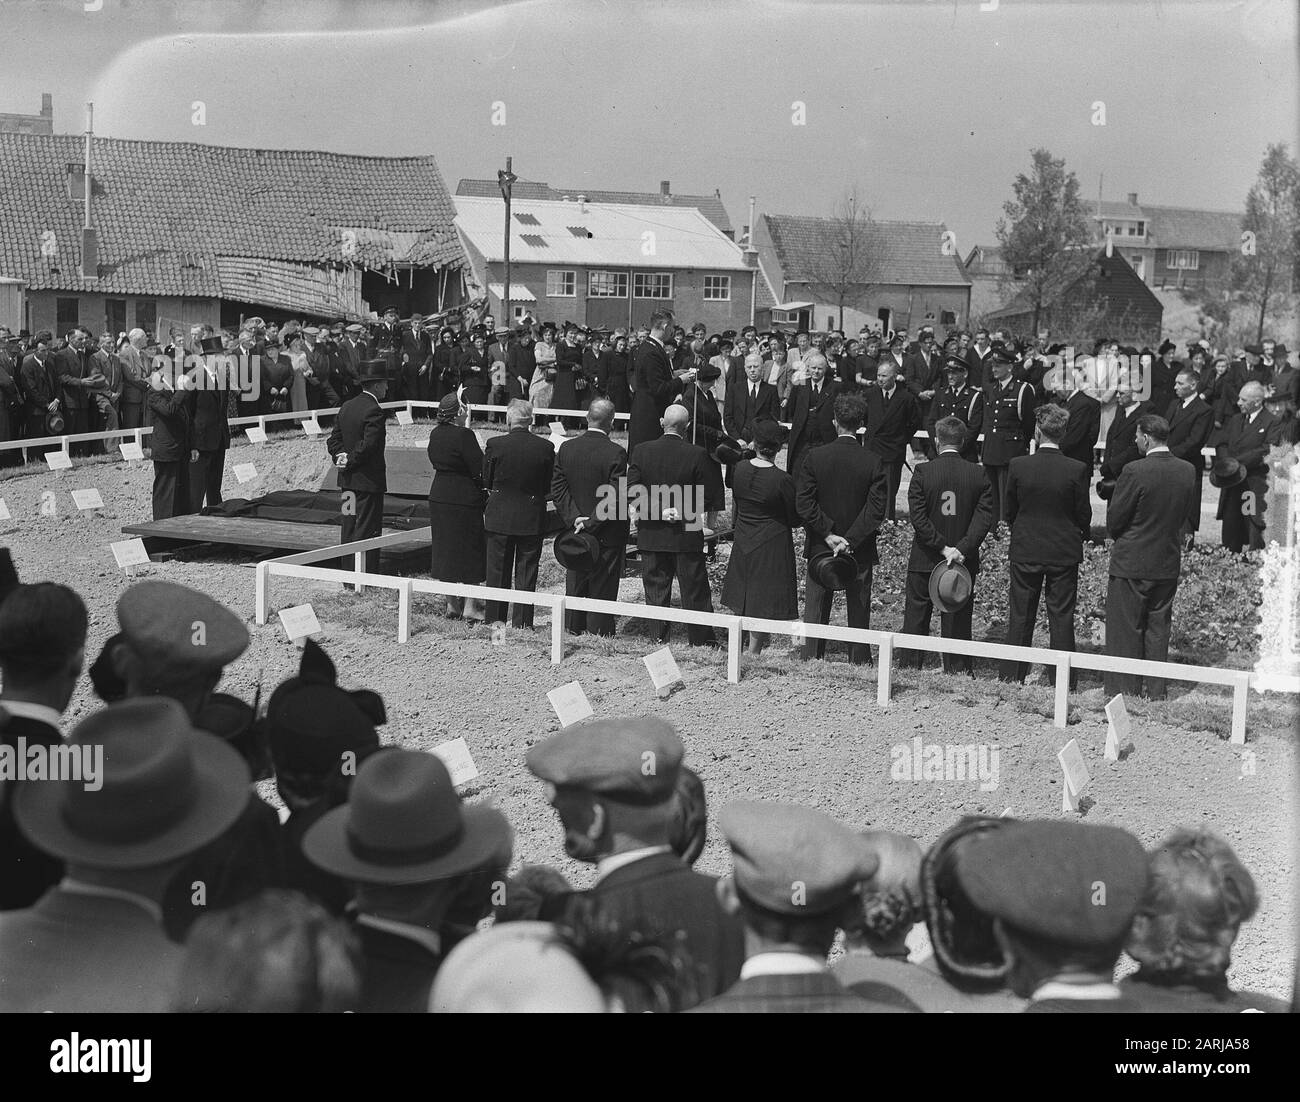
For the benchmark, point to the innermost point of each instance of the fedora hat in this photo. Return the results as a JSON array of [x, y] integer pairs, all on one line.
[[165, 790], [1106, 488], [950, 586], [1226, 472], [832, 571], [726, 449], [373, 371], [578, 551], [405, 824]]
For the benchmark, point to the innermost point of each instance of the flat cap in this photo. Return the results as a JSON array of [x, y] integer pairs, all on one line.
[[180, 628], [629, 760], [1065, 882], [793, 860]]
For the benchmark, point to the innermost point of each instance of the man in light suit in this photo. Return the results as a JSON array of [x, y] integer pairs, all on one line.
[[95, 943], [1149, 516]]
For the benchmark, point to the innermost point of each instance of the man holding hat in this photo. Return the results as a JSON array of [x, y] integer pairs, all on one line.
[[959, 400], [41, 395], [95, 943], [1008, 426], [1241, 469], [613, 784], [171, 445], [1062, 896], [950, 505], [412, 849], [841, 496], [1191, 422], [588, 472], [795, 880], [356, 444]]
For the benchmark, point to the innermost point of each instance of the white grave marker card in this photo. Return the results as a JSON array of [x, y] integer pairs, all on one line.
[[129, 553], [311, 427], [58, 461], [570, 704], [1076, 775], [87, 499], [131, 451], [456, 757], [299, 621], [1118, 726], [4, 510], [245, 472], [663, 670], [255, 435], [404, 417]]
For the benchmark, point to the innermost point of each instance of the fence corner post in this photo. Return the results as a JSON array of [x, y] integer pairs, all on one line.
[[404, 593], [1062, 710], [734, 639], [262, 592], [557, 630], [1240, 701], [884, 682]]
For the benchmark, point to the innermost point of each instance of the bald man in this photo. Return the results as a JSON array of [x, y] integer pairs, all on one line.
[[1246, 437]]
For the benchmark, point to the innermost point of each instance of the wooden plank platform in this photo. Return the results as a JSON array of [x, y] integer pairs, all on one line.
[[408, 473], [274, 535]]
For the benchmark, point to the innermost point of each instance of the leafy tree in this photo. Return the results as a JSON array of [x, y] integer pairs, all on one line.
[[1262, 274], [1045, 234]]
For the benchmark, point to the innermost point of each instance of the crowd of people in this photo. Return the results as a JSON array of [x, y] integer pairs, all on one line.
[[164, 882]]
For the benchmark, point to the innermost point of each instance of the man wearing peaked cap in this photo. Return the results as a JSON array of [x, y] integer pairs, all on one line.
[[1062, 896], [795, 881], [613, 784]]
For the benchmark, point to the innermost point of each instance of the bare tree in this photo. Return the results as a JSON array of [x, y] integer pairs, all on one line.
[[846, 257]]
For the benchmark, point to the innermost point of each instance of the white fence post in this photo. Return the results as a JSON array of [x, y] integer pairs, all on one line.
[[1062, 709], [358, 567], [734, 637], [139, 438], [263, 590], [404, 592], [1240, 698], [884, 686], [557, 631]]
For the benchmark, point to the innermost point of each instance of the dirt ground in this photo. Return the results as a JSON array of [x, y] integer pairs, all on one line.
[[805, 732]]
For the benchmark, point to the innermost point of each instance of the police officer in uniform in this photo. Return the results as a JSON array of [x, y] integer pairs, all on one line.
[[966, 403], [1008, 426]]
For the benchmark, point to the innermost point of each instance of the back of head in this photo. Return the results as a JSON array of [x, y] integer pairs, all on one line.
[[689, 830], [600, 414], [891, 899], [42, 633], [519, 412], [850, 411], [949, 432], [1052, 421], [676, 418], [276, 953]]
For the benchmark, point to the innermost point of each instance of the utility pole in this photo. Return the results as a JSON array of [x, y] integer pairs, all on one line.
[[506, 179]]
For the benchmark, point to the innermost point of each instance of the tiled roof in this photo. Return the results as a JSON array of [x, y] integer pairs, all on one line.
[[165, 211], [909, 253], [1185, 228], [604, 235], [1110, 208], [708, 205], [322, 292]]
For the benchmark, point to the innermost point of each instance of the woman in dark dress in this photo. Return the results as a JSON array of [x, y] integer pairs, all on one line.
[[706, 431], [476, 373], [760, 577], [456, 498], [445, 377], [618, 372]]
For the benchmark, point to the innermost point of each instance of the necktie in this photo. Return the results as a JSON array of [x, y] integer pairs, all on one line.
[[753, 392]]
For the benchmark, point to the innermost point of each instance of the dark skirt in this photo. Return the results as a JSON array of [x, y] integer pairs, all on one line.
[[761, 581], [459, 547]]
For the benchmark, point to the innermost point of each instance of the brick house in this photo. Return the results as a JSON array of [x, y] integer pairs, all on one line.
[[1170, 246]]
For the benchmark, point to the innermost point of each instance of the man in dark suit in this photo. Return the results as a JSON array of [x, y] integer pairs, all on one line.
[[620, 816], [1050, 515], [589, 470], [42, 653], [1121, 437], [892, 418], [670, 474], [171, 444], [748, 399], [1008, 427], [950, 505], [211, 429], [841, 496], [417, 354], [356, 444], [978, 356], [1148, 518], [1247, 437], [414, 851], [41, 393], [964, 402], [811, 409], [75, 372], [1191, 423], [795, 882], [921, 371], [1084, 426], [655, 385], [517, 468]]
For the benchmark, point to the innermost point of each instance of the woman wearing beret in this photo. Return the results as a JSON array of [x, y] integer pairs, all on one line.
[[456, 499], [760, 577]]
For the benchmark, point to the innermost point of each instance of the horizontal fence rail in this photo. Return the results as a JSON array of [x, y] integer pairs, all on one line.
[[886, 642]]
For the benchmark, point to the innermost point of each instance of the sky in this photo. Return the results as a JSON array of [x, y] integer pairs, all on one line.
[[927, 109]]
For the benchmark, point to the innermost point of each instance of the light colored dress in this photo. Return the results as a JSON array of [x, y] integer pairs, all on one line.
[[541, 389]]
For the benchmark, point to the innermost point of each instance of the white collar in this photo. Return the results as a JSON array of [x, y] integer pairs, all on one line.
[[1048, 444], [782, 964], [418, 934], [75, 887], [1189, 399], [756, 462], [1158, 449], [42, 713], [1053, 989], [602, 432], [614, 861], [1250, 417]]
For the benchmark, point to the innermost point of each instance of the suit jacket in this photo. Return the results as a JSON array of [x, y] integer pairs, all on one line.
[[416, 348], [979, 366], [1189, 431], [740, 410], [25, 871], [892, 422], [211, 430], [40, 384], [517, 470], [918, 375], [1121, 440], [360, 432], [1048, 508], [1008, 422], [1083, 428], [457, 460], [397, 972], [587, 469], [170, 440], [795, 993], [811, 423], [842, 489], [1249, 442], [72, 367], [1153, 507], [950, 504], [83, 954], [655, 388], [658, 465], [661, 894]]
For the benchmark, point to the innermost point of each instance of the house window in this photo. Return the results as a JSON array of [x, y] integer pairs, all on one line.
[[115, 315], [146, 314], [653, 285], [561, 284], [1182, 259], [717, 288], [607, 284], [67, 314], [947, 318]]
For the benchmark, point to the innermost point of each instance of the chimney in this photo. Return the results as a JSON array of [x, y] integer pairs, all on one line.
[[1132, 198], [47, 105], [582, 203], [663, 187], [566, 198]]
